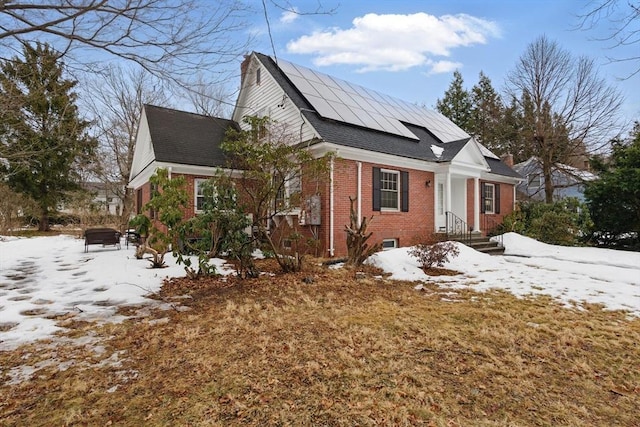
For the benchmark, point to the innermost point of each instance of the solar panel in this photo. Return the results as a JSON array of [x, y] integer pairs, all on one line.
[[340, 100]]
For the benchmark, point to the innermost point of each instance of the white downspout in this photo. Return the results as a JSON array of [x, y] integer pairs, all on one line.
[[514, 198], [359, 195], [331, 243], [169, 172]]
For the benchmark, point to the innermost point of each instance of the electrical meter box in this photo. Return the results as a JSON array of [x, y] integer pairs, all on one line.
[[313, 210]]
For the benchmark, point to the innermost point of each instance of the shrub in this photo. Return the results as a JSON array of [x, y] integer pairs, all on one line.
[[564, 222], [434, 253]]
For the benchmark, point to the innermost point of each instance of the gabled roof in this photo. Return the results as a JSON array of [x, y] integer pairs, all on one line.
[[534, 165], [423, 144], [186, 138]]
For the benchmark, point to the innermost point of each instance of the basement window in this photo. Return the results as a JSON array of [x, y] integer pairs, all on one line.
[[389, 244]]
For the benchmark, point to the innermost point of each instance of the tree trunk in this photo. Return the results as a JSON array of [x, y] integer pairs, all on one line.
[[127, 208], [44, 220], [548, 182]]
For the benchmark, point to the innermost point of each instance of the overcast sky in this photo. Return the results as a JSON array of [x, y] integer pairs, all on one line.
[[409, 49]]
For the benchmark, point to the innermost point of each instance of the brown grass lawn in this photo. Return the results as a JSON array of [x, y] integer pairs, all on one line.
[[340, 351]]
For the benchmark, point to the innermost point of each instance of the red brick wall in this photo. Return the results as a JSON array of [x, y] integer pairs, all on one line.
[[403, 226], [506, 203]]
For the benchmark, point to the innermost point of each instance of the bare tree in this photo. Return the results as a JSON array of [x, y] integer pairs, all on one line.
[[624, 17], [567, 106], [210, 98], [168, 38], [116, 101]]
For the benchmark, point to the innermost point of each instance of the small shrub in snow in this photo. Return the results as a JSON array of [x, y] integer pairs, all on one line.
[[433, 253]]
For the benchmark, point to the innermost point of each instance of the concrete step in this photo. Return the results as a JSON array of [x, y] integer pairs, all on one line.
[[483, 244]]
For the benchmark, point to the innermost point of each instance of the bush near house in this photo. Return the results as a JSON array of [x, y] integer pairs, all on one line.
[[565, 222]]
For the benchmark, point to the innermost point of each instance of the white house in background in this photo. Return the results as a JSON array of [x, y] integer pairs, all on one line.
[[568, 181]]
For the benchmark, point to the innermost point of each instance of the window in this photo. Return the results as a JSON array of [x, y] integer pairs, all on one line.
[[258, 76], [390, 190], [440, 198], [534, 181], [200, 195], [290, 189], [389, 244], [490, 195]]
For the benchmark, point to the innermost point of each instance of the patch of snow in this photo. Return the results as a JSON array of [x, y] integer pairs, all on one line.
[[572, 275], [437, 151], [46, 278]]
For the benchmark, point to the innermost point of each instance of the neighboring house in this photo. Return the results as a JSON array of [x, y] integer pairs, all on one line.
[[409, 167], [105, 197], [568, 181]]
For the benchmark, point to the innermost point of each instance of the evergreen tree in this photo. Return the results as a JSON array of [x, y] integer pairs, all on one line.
[[456, 103], [44, 141], [614, 198], [487, 113]]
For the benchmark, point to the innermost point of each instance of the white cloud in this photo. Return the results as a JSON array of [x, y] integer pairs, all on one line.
[[396, 42], [289, 16], [440, 67]]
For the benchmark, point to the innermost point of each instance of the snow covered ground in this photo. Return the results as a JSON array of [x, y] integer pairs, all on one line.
[[571, 275], [51, 276], [42, 277]]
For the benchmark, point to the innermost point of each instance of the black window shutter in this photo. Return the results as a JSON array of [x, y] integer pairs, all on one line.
[[496, 208], [376, 189], [404, 191], [482, 198]]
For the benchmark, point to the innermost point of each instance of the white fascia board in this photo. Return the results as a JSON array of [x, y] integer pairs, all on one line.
[[350, 153], [501, 178], [178, 168]]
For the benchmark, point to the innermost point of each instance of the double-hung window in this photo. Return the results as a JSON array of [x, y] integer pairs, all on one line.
[[200, 196], [490, 194], [390, 190]]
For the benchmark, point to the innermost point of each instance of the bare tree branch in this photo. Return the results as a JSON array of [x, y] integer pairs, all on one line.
[[168, 38], [624, 30]]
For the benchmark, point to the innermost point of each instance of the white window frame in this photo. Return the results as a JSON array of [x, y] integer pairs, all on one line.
[[486, 186], [440, 187], [292, 185], [383, 190], [196, 187], [393, 242], [534, 181]]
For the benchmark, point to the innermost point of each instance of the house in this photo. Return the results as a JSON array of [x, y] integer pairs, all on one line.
[[184, 143], [411, 169], [568, 181]]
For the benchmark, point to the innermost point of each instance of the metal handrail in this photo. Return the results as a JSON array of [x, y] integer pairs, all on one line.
[[457, 228]]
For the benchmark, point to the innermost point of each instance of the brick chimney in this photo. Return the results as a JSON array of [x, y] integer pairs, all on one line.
[[508, 159], [244, 67]]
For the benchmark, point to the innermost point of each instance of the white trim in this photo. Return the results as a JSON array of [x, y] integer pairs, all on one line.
[[493, 198], [331, 236], [392, 240], [356, 154], [476, 204], [176, 168], [398, 190], [359, 193], [196, 183]]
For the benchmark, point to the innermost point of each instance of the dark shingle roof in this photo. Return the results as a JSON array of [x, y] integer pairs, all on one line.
[[500, 168], [186, 138]]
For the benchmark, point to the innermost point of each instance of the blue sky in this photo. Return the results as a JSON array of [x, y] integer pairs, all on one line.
[[409, 49]]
